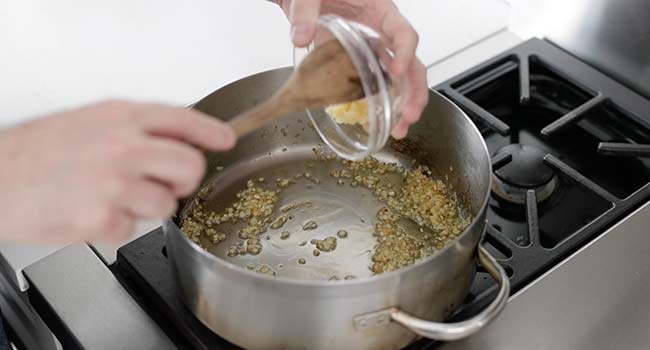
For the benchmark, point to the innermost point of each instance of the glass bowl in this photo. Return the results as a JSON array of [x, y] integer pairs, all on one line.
[[357, 129]]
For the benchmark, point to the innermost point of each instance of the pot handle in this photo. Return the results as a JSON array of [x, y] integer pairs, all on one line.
[[458, 330]]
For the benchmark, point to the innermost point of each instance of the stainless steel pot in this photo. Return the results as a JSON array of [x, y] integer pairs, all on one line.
[[387, 311]]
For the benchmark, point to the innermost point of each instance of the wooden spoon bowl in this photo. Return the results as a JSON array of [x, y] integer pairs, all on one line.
[[325, 77]]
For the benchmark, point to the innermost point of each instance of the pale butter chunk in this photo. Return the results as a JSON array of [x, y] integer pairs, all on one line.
[[355, 112]]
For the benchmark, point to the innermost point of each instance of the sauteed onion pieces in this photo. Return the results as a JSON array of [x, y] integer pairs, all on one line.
[[412, 196]]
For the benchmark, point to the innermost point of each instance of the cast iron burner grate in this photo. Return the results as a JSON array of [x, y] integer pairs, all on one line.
[[568, 145]]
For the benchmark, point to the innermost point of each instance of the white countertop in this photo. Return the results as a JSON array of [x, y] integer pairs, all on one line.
[[58, 54]]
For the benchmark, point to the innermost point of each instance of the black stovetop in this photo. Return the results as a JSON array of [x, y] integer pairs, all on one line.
[[568, 146]]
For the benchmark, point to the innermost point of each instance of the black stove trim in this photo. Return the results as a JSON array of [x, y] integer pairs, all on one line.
[[624, 149], [581, 74], [142, 265]]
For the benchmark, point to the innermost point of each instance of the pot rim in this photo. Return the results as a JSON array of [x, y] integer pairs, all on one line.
[[362, 280]]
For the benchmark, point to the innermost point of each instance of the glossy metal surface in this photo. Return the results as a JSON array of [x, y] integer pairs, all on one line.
[[612, 35], [96, 311], [256, 311], [596, 299], [462, 329]]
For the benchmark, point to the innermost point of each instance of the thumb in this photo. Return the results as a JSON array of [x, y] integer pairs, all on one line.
[[303, 15]]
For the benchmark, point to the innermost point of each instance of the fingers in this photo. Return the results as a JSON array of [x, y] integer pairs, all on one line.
[[122, 227], [418, 99], [169, 162], [186, 125], [107, 223], [403, 37], [303, 15], [148, 199]]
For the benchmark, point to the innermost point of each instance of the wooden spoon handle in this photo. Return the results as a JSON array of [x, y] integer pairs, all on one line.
[[277, 106], [252, 119]]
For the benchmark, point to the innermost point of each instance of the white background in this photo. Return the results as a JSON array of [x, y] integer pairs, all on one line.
[[57, 54]]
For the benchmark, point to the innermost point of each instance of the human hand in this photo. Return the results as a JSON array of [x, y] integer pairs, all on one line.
[[91, 173], [383, 16]]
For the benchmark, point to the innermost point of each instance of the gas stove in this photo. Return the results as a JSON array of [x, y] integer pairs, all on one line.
[[568, 145]]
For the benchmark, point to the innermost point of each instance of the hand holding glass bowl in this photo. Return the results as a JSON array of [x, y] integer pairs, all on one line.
[[382, 45]]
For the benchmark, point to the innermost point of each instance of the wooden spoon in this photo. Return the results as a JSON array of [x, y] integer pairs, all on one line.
[[326, 76]]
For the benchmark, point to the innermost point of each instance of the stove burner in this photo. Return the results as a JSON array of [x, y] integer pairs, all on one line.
[[526, 171]]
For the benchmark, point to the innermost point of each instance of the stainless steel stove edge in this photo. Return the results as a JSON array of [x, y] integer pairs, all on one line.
[[597, 298], [74, 286]]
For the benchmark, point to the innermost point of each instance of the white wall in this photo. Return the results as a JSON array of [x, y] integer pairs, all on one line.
[[57, 54]]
